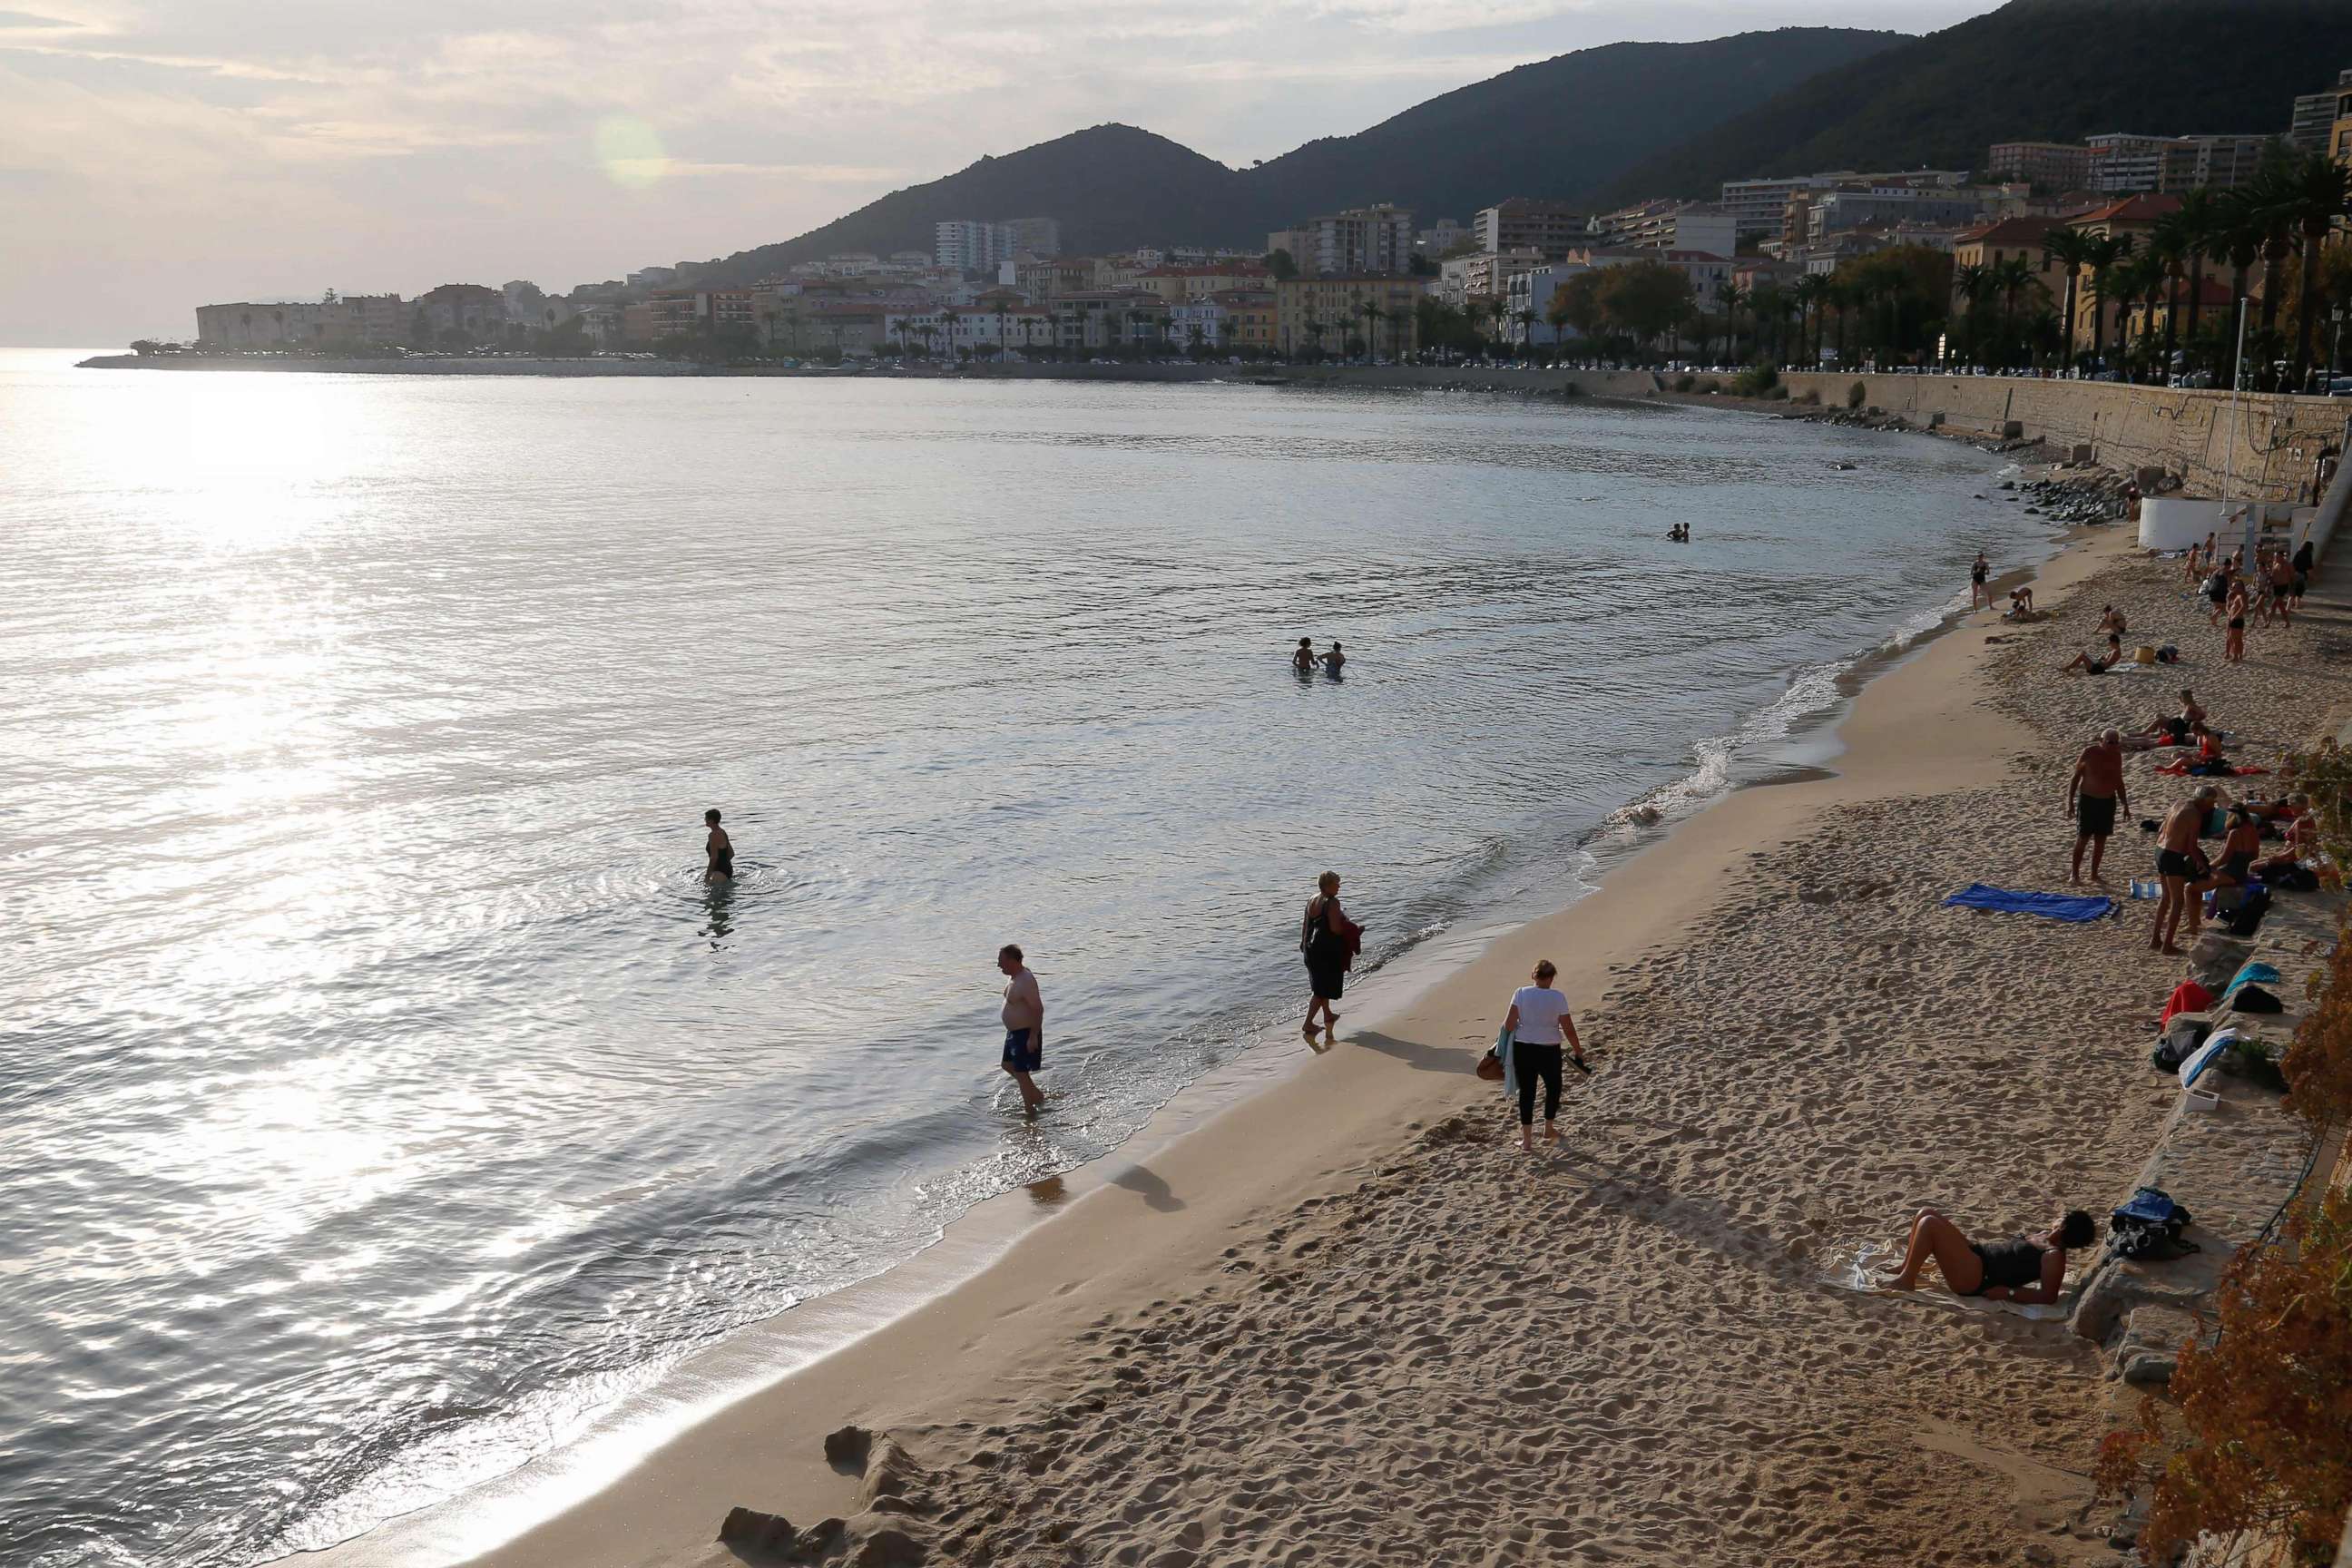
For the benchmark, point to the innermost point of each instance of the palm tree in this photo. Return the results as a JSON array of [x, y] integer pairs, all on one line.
[[2010, 280], [1313, 329], [2194, 227], [2273, 207], [2070, 247], [1969, 283], [2102, 256], [2317, 193], [1732, 297], [2238, 233], [1374, 315], [1812, 294]]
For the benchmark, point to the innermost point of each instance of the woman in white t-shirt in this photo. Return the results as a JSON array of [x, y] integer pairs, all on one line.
[[1540, 1023]]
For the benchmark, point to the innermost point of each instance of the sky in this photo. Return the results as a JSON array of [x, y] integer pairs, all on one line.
[[154, 156]]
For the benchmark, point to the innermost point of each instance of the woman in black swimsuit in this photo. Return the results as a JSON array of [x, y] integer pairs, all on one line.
[[2025, 1268], [2234, 649], [1977, 576], [719, 847]]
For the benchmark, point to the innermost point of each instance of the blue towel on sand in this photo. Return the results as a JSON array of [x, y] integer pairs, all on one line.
[[2048, 905]]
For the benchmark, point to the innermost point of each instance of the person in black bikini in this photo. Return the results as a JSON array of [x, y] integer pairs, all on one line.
[[719, 847], [2029, 1269], [1978, 589]]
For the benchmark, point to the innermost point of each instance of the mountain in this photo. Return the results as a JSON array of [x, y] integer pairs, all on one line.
[[2034, 71], [1562, 127], [1111, 187]]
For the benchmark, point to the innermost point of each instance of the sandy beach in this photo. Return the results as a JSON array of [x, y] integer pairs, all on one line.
[[1348, 1322]]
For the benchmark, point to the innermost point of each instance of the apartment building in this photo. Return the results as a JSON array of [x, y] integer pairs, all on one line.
[[1480, 275], [969, 245], [1527, 223], [1834, 212], [1360, 241], [2044, 165], [1324, 312], [2315, 115], [1668, 226], [337, 319]]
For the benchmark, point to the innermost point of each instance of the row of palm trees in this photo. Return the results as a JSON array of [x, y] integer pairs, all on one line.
[[2287, 212]]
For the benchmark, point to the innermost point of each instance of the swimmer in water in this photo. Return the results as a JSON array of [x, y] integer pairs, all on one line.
[[1334, 660], [1304, 660], [721, 848]]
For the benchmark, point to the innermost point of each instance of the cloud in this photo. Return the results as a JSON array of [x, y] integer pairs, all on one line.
[[289, 145]]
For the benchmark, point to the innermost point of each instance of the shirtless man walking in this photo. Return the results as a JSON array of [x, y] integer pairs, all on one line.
[[2176, 867], [1025, 1026], [2094, 795]]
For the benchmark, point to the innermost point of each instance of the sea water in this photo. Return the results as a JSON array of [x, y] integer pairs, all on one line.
[[385, 1093]]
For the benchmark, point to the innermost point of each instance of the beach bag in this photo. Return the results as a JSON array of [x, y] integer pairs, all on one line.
[[2167, 654], [2148, 1228], [1490, 1067], [2247, 916], [2254, 999], [2297, 880], [2182, 1035]]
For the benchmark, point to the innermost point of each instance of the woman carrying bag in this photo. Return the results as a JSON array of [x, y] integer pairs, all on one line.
[[1538, 1026], [1329, 940]]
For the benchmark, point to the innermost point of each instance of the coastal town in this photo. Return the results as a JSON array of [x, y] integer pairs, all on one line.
[[2125, 256]]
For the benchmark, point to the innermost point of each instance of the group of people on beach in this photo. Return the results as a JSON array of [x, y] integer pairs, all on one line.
[[2273, 589]]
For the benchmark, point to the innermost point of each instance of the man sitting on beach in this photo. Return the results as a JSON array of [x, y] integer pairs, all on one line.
[[2094, 795], [2179, 863], [2098, 664], [2111, 620], [2028, 1269]]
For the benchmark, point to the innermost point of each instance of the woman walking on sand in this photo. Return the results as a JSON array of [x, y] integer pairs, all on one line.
[[2234, 649], [1977, 588], [1327, 939], [1540, 1025]]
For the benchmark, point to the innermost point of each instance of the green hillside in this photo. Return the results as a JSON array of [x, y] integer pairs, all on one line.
[[2033, 70]]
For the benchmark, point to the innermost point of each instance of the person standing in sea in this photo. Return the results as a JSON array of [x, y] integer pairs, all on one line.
[[1327, 939], [720, 849], [1303, 662], [1335, 660], [2094, 795], [1978, 588], [1024, 1026]]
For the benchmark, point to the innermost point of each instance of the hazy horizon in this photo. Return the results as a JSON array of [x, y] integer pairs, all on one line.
[[263, 149]]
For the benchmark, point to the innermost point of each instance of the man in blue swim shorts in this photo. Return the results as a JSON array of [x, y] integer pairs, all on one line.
[[1025, 1026]]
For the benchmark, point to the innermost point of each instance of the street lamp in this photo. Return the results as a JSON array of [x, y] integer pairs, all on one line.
[[2336, 353]]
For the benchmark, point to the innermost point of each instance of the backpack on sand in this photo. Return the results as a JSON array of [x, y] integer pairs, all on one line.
[[2148, 1228]]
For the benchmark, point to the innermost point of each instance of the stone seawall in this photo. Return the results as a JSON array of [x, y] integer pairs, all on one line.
[[2274, 456]]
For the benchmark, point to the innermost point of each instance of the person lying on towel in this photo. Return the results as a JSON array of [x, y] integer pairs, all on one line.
[[2028, 1269]]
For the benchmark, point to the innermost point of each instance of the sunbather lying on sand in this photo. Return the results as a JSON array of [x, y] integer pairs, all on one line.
[[2026, 1269]]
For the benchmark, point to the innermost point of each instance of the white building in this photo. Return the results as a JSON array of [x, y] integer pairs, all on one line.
[[979, 331], [1209, 315], [1529, 291], [1669, 226], [1358, 242], [1481, 274]]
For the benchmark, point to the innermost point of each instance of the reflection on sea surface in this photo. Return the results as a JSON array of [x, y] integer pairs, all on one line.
[[387, 1092]]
